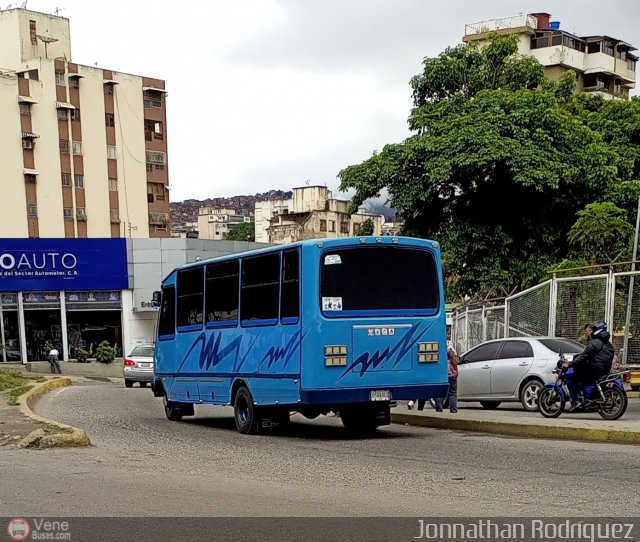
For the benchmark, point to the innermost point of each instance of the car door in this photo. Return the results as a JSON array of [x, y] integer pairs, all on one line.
[[474, 370], [514, 361]]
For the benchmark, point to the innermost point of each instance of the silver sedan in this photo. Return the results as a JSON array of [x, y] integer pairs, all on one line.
[[138, 366], [513, 369]]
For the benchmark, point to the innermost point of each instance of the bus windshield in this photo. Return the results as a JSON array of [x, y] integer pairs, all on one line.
[[378, 280]]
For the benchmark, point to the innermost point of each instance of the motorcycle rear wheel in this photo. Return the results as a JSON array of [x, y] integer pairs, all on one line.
[[614, 405], [550, 403]]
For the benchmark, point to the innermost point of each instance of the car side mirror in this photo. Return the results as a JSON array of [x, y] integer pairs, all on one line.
[[462, 360]]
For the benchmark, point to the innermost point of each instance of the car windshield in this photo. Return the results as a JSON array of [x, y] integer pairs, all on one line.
[[566, 346], [145, 351]]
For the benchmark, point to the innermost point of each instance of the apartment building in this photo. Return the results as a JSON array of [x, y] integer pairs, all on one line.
[[604, 65], [215, 223], [311, 213], [83, 150]]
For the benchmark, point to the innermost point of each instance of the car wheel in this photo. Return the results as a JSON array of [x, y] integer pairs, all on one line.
[[143, 384], [490, 405], [128, 383], [529, 395]]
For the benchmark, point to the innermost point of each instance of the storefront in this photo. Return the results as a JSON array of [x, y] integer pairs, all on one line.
[[61, 293]]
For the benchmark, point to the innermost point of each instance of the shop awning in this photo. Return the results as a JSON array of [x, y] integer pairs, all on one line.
[[64, 105], [110, 82], [29, 135]]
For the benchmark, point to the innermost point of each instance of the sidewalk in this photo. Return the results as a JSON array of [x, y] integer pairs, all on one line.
[[512, 420]]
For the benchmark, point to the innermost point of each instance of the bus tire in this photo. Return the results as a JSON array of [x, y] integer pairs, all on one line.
[[245, 413], [172, 410], [362, 421]]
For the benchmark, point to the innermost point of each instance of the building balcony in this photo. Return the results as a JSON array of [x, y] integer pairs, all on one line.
[[600, 63], [560, 55]]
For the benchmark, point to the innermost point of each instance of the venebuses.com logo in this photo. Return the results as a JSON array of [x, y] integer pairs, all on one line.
[[18, 529]]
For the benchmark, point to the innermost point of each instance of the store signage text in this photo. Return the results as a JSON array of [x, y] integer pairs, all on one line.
[[43, 264]]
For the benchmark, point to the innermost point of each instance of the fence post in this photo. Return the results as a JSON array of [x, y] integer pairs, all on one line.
[[553, 305], [506, 317], [484, 324], [611, 296], [466, 330]]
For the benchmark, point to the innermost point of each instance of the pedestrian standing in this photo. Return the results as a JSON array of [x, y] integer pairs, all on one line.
[[53, 361], [452, 361]]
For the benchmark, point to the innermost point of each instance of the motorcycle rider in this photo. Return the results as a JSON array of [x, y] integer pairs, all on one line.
[[593, 363]]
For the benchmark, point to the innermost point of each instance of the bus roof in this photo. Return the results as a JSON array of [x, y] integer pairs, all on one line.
[[325, 243]]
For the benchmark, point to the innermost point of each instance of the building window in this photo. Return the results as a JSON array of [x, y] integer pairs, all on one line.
[[27, 143], [158, 167], [66, 179], [77, 148], [81, 214], [156, 158], [31, 75], [111, 152], [356, 227], [63, 114], [60, 79], [33, 32], [75, 115], [332, 225], [108, 89], [149, 167], [153, 129], [323, 225], [152, 99], [25, 108], [30, 178], [67, 213], [109, 120], [115, 216], [74, 82], [158, 219], [79, 181], [32, 210], [113, 185], [344, 227], [155, 192], [158, 228]]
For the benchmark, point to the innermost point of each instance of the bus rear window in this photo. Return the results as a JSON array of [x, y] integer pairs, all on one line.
[[378, 280]]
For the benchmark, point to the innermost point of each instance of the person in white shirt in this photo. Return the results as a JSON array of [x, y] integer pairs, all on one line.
[[53, 361]]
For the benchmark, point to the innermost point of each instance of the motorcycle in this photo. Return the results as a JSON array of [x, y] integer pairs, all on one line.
[[607, 396]]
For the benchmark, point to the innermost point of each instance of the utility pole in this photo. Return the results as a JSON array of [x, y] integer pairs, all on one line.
[[625, 346]]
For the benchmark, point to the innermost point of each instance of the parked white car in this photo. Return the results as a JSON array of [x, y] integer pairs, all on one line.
[[513, 369]]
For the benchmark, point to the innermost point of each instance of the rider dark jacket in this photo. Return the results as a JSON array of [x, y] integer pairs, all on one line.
[[598, 355]]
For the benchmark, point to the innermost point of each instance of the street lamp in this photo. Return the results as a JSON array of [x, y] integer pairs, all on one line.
[[625, 346]]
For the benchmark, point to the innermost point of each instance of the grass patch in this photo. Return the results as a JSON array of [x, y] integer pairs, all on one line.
[[52, 428], [16, 384]]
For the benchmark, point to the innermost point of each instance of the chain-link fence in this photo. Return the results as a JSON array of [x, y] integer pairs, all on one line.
[[560, 307]]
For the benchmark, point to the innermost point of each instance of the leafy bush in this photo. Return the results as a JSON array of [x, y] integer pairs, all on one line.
[[81, 355], [105, 352]]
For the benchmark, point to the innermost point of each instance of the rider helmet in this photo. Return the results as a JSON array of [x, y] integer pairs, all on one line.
[[597, 328]]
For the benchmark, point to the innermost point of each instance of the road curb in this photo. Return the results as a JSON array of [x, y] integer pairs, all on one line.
[[76, 439], [521, 430]]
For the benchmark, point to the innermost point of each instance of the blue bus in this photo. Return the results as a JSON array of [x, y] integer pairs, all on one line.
[[347, 325]]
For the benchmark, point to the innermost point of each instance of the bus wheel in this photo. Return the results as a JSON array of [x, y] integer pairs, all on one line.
[[172, 410], [363, 420], [245, 412]]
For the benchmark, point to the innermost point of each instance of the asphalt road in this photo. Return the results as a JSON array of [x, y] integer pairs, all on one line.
[[143, 465]]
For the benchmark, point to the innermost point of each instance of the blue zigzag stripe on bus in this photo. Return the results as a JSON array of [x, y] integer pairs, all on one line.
[[402, 347], [210, 353], [276, 353]]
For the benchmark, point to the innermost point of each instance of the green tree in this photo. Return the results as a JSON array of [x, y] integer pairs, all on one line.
[[601, 233], [366, 228], [245, 231], [498, 164]]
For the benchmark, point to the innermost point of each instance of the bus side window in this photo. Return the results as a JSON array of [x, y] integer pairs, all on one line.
[[190, 304], [290, 294], [167, 323], [260, 291], [222, 294]]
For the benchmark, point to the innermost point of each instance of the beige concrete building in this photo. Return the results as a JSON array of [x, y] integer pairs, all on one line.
[[83, 150], [215, 223], [604, 65], [311, 213]]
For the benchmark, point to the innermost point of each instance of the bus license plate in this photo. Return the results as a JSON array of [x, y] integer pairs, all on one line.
[[381, 395]]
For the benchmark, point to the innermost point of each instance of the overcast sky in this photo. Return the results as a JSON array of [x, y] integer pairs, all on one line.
[[267, 94]]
